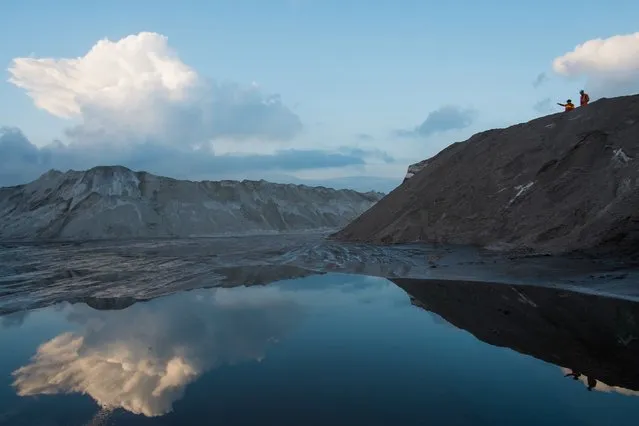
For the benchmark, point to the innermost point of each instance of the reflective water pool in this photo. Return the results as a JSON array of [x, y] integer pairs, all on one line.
[[326, 350]]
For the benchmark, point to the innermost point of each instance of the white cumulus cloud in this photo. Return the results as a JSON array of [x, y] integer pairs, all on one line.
[[135, 103], [137, 89], [610, 66], [118, 75]]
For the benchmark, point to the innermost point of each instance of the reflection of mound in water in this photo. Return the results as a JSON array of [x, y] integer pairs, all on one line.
[[595, 336], [110, 303], [233, 276], [142, 358]]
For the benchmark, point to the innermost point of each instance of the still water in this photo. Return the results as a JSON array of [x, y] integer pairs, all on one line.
[[326, 350]]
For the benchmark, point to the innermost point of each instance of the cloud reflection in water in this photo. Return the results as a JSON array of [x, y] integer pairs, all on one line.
[[142, 358]]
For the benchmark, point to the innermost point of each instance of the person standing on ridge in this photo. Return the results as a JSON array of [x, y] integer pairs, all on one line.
[[584, 98], [568, 106]]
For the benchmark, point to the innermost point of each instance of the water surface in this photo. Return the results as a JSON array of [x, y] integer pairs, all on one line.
[[326, 350]]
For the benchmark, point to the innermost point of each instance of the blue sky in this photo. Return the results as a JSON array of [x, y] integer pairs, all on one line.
[[349, 76]]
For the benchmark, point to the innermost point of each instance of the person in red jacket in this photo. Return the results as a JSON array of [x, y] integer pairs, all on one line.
[[584, 98]]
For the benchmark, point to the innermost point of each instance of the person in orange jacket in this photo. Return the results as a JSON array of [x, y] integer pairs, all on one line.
[[568, 106], [584, 98]]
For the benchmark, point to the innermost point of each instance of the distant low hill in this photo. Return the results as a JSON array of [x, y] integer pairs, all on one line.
[[116, 202]]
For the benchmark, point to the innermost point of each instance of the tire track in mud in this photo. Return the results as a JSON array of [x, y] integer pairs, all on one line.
[[38, 275]]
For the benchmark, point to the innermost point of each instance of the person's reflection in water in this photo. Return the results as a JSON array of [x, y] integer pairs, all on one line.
[[592, 383], [575, 375]]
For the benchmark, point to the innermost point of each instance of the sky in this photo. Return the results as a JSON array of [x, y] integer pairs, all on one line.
[[341, 93]]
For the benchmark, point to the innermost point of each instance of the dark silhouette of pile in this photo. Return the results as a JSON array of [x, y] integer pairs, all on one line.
[[559, 183], [590, 334]]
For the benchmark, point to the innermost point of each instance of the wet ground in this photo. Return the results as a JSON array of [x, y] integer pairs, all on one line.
[[329, 349], [121, 272]]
